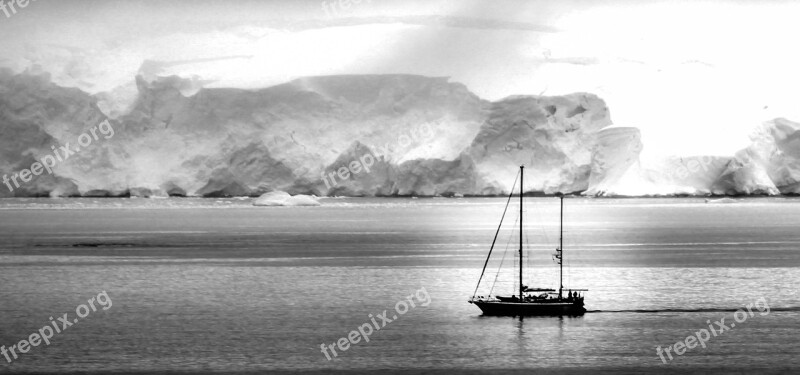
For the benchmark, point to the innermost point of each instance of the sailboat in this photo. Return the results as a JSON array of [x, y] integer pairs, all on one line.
[[531, 301]]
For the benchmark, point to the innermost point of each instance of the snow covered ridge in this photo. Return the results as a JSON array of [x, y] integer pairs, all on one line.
[[234, 142]]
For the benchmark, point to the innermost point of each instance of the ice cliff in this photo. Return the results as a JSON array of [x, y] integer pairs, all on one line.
[[770, 165], [369, 135]]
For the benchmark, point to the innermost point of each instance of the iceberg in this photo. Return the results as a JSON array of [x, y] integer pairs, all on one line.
[[281, 198], [721, 200]]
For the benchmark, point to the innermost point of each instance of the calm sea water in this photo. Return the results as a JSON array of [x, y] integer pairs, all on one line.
[[201, 285]]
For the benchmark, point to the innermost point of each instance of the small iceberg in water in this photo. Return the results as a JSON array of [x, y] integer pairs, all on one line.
[[722, 200], [281, 198]]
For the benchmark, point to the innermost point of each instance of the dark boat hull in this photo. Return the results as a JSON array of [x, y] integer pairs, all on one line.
[[497, 308]]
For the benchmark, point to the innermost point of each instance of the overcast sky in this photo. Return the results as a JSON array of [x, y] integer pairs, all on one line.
[[696, 76]]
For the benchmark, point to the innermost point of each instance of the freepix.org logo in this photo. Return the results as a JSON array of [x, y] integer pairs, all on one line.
[[366, 329], [46, 333], [10, 8], [47, 162], [702, 336]]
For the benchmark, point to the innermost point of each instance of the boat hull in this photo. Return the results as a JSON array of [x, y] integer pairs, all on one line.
[[497, 308]]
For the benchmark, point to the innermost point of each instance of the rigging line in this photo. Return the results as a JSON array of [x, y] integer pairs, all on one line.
[[528, 247], [500, 267], [547, 273], [573, 245], [569, 275], [541, 219], [559, 251], [495, 235], [570, 243]]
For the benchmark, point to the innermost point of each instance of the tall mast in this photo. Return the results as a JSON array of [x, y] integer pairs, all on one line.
[[521, 173], [561, 246]]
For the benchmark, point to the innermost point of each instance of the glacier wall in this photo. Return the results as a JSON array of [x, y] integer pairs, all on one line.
[[366, 135]]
